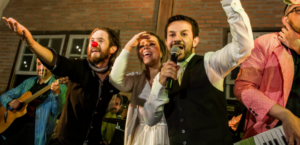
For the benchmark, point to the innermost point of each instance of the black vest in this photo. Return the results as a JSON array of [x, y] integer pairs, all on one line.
[[197, 112]]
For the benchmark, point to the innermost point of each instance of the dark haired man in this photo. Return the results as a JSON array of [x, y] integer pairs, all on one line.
[[268, 83], [195, 108], [89, 90]]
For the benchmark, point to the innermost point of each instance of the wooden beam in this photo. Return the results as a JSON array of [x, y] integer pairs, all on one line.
[[164, 13]]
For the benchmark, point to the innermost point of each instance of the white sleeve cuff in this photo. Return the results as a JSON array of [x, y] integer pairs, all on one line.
[[232, 5]]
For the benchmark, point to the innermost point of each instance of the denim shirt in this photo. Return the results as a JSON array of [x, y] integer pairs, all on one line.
[[46, 113]]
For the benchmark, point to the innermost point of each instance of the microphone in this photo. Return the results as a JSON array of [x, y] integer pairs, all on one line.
[[175, 50]]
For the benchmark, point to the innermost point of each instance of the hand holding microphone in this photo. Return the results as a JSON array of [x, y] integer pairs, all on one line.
[[169, 71]]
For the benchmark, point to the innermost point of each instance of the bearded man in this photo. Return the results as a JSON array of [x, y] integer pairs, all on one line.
[[89, 89], [195, 108]]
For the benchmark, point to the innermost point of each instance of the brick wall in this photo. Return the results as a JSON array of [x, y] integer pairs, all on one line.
[[8, 47], [212, 19], [128, 16]]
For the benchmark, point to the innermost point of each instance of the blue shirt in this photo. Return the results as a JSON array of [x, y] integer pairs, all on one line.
[[46, 113]]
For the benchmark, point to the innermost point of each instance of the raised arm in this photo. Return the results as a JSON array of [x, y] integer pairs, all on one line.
[[41, 52], [59, 65], [117, 76], [221, 62]]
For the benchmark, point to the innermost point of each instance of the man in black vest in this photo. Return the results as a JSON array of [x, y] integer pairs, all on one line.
[[195, 108]]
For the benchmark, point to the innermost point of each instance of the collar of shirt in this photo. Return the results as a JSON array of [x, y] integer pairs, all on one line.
[[38, 80], [186, 61], [183, 65]]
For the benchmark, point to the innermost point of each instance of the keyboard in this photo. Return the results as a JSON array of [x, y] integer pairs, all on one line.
[[274, 136]]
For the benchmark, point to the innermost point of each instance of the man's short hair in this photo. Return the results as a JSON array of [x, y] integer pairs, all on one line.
[[195, 27], [114, 40]]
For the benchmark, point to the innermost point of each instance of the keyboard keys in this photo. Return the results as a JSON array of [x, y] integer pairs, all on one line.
[[283, 135], [265, 138], [274, 136], [270, 137], [279, 134], [276, 142], [284, 140], [259, 139]]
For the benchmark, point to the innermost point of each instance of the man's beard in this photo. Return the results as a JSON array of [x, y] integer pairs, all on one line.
[[187, 53], [95, 60], [294, 27]]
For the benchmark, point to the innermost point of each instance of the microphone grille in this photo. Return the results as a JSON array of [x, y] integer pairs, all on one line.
[[175, 49]]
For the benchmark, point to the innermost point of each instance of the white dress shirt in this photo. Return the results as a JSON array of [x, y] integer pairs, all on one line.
[[217, 64]]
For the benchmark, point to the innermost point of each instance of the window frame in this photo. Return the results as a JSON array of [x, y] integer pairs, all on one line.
[[23, 48], [16, 63], [70, 43]]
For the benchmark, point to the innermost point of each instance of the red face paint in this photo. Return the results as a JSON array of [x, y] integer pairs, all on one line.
[[94, 44]]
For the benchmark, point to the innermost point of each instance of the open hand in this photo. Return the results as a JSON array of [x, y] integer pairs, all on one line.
[[136, 39], [19, 30]]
